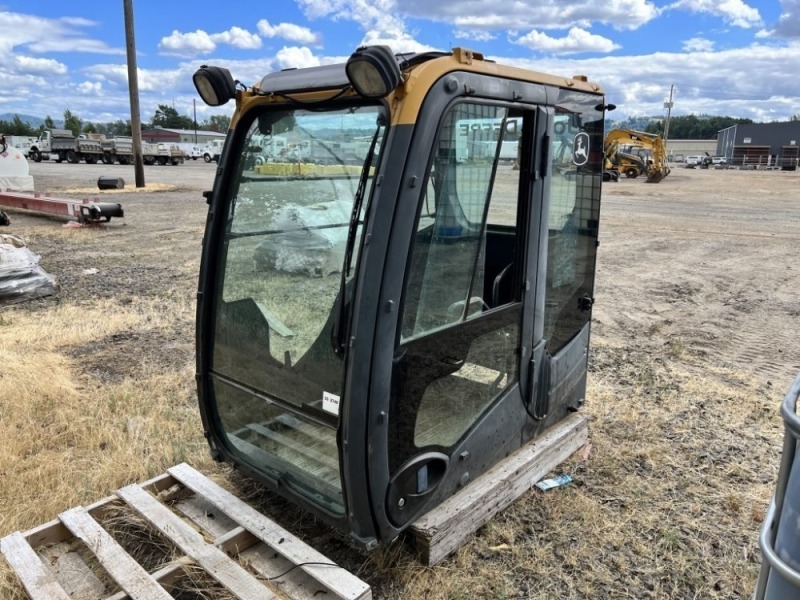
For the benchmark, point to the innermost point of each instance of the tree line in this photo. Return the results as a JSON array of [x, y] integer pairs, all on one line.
[[683, 127], [692, 127], [165, 116]]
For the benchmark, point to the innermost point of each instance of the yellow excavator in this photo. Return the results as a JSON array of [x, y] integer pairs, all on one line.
[[635, 153]]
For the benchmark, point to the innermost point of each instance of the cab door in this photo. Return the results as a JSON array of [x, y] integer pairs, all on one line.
[[457, 392], [565, 282]]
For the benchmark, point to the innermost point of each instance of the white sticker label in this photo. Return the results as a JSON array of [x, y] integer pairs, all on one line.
[[330, 403]]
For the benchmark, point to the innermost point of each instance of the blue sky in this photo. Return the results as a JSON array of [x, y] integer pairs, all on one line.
[[725, 57]]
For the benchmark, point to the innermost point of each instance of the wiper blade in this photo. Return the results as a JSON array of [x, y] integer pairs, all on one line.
[[358, 201]]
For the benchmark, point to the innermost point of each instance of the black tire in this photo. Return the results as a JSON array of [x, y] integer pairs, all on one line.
[[91, 160], [35, 155], [107, 160], [72, 157], [162, 160], [631, 173], [207, 157]]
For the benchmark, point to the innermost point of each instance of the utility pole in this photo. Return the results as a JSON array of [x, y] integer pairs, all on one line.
[[668, 106], [194, 108], [133, 90]]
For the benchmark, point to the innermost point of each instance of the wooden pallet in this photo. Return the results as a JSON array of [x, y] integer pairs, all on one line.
[[448, 526], [214, 535]]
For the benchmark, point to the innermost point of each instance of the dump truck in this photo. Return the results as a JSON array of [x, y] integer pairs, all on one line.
[[376, 329], [63, 145], [634, 153], [120, 150]]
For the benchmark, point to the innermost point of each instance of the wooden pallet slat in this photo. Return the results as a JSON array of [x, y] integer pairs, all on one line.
[[337, 580], [216, 563], [129, 574], [448, 526], [35, 578], [44, 560]]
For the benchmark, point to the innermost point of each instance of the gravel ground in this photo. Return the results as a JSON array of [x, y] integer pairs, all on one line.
[[694, 345]]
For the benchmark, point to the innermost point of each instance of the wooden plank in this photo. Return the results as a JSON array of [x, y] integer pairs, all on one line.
[[166, 576], [71, 571], [216, 563], [448, 526], [36, 579], [337, 580], [129, 574], [206, 516]]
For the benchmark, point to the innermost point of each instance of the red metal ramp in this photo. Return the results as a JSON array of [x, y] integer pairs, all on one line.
[[85, 211]]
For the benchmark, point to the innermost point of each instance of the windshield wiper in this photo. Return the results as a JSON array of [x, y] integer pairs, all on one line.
[[341, 327]]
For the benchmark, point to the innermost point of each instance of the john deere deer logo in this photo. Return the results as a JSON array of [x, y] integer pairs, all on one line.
[[580, 149]]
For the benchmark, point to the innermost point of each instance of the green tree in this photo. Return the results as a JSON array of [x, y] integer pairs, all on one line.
[[72, 122], [119, 128], [16, 127], [218, 123], [693, 127], [166, 116], [89, 127], [48, 123]]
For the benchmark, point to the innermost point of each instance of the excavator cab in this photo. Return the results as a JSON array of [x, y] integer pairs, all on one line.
[[386, 308]]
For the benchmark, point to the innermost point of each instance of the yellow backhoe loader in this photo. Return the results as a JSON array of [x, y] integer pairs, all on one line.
[[635, 153]]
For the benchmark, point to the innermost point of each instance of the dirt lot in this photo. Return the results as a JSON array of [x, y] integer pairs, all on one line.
[[695, 342]]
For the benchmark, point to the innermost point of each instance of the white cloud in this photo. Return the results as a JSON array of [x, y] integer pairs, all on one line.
[[42, 66], [239, 38], [735, 12], [199, 42], [478, 36], [288, 31], [295, 58], [533, 14], [745, 82], [577, 41], [788, 26], [698, 44], [39, 34], [378, 18], [187, 44], [90, 88]]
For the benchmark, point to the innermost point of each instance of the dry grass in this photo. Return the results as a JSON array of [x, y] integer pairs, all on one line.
[[148, 188], [685, 447], [67, 438], [667, 505]]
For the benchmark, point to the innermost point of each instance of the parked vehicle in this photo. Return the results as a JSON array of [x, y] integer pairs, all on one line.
[[693, 161], [635, 153], [192, 151], [63, 145], [213, 150], [22, 143], [120, 150], [719, 160]]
